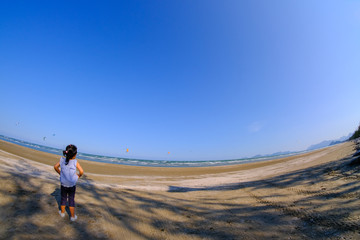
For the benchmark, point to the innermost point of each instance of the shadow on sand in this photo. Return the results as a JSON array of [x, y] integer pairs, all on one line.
[[32, 213]]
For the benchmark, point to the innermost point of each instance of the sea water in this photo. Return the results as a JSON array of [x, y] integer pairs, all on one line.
[[143, 162]]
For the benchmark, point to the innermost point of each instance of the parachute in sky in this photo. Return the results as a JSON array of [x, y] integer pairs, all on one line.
[[44, 138], [127, 150]]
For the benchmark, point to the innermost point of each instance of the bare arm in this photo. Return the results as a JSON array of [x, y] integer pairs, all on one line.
[[56, 167], [81, 171]]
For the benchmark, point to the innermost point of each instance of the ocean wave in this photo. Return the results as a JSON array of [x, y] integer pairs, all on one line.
[[143, 162]]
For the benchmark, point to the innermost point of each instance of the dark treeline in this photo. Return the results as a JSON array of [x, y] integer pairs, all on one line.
[[356, 134]]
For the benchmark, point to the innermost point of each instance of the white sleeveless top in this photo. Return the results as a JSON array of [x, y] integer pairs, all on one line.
[[68, 176]]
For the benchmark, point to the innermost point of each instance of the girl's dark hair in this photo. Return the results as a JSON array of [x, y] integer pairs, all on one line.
[[70, 152]]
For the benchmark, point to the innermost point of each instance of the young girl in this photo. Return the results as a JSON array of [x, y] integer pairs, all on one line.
[[68, 179]]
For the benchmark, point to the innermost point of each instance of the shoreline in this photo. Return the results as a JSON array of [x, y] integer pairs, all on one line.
[[102, 168], [163, 178], [126, 161]]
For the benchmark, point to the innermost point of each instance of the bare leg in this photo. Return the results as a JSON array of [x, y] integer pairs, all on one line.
[[72, 211], [62, 208]]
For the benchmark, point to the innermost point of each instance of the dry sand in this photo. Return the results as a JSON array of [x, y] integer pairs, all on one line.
[[314, 195]]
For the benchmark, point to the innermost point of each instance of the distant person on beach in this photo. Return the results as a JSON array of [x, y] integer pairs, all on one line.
[[68, 178]]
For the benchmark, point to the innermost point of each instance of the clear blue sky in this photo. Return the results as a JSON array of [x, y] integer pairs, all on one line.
[[199, 79]]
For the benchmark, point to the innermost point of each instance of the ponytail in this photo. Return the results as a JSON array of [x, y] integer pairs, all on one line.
[[69, 153]]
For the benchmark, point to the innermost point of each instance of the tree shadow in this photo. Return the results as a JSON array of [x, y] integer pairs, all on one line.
[[325, 197]]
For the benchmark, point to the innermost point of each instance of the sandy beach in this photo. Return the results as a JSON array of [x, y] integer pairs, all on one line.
[[308, 196]]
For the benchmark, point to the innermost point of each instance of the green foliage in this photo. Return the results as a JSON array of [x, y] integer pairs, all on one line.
[[356, 134]]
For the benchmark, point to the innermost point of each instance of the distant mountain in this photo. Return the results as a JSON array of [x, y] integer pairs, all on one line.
[[273, 155], [320, 145], [312, 147], [327, 143]]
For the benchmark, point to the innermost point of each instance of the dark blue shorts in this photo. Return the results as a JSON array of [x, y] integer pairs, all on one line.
[[68, 193]]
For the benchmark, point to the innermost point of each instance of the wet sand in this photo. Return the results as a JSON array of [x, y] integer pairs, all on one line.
[[313, 195]]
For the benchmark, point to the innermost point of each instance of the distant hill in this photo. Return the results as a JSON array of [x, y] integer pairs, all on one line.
[[273, 154], [280, 153], [327, 143]]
